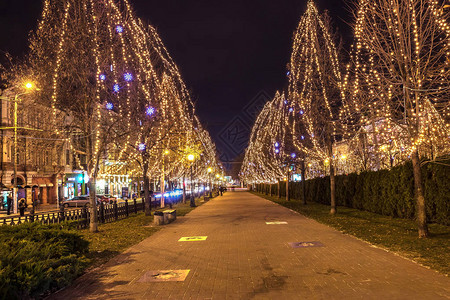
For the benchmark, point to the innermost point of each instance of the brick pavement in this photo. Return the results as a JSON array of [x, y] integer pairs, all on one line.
[[243, 258]]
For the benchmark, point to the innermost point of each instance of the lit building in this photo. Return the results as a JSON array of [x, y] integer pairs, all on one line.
[[42, 159]]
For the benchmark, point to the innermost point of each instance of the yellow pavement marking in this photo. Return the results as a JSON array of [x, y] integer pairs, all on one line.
[[193, 238], [275, 223]]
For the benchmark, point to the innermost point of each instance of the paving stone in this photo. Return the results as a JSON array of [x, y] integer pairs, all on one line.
[[243, 258]]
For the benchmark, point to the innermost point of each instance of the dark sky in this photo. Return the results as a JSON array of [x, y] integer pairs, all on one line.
[[227, 51]]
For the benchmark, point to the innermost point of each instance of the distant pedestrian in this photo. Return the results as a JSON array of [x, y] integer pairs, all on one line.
[[22, 206], [9, 202], [221, 190]]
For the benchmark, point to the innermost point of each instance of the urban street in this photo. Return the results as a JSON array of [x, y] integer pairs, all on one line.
[[243, 257], [225, 149]]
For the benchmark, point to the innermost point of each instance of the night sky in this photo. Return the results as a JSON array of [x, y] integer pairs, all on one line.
[[227, 51]]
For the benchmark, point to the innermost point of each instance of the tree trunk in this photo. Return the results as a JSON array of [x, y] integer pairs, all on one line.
[[184, 190], [279, 191], [147, 200], [332, 188], [303, 181], [288, 198], [420, 199], [93, 221], [375, 139], [163, 190], [92, 173]]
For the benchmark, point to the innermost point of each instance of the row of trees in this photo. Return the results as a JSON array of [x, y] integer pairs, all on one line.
[[125, 107], [388, 103]]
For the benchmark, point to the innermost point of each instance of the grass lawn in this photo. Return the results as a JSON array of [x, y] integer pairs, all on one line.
[[394, 234], [115, 237]]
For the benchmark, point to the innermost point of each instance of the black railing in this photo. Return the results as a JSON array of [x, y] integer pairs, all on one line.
[[105, 213]]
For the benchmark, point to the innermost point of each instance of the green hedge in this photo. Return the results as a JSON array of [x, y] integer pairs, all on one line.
[[36, 259], [386, 192]]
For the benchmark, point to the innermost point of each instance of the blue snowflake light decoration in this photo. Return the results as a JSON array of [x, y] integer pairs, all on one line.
[[102, 77], [277, 151], [301, 112], [303, 137], [277, 145], [291, 109], [109, 106], [150, 111], [116, 88], [119, 29], [128, 76], [293, 155], [142, 147]]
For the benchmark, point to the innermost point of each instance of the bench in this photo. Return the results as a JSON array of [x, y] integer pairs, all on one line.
[[158, 218], [170, 215], [164, 217]]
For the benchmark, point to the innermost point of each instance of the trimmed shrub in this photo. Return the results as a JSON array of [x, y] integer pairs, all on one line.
[[36, 259], [386, 192]]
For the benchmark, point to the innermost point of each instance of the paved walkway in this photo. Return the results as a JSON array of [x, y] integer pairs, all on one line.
[[243, 258]]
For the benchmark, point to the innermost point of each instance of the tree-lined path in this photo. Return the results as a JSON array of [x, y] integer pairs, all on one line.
[[245, 258]]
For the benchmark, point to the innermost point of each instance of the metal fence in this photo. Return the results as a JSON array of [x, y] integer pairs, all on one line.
[[105, 213]]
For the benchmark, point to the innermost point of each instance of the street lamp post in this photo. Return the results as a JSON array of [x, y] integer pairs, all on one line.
[[191, 158], [29, 86]]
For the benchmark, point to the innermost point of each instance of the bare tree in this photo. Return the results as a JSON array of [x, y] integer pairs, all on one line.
[[402, 73], [315, 91], [91, 65]]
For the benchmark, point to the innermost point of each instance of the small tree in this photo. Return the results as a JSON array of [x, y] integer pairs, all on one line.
[[315, 91], [264, 156]]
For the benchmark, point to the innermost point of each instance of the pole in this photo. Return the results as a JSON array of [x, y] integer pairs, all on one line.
[[15, 156]]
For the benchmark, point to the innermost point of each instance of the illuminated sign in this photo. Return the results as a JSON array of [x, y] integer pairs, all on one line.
[[297, 177]]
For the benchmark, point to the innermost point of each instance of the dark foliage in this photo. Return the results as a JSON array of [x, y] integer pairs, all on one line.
[[385, 192], [36, 259]]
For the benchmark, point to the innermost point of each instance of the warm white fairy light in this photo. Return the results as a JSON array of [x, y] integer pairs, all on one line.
[[133, 74], [263, 161]]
